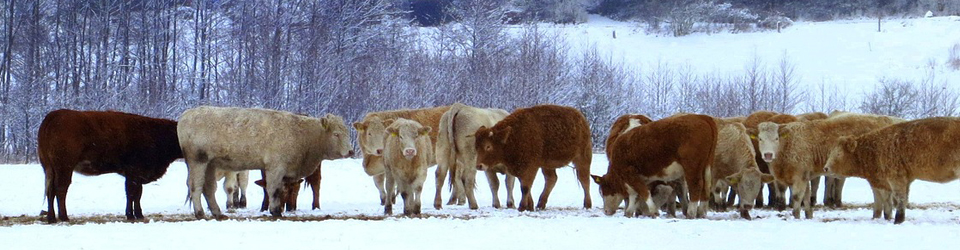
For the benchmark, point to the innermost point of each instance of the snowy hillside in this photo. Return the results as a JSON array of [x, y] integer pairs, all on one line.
[[849, 54]]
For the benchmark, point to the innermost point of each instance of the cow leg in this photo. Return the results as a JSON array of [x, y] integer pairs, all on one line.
[[50, 191], [134, 192], [778, 196], [469, 178], [808, 203], [494, 187], [313, 180], [407, 198], [230, 188], [275, 190], [550, 180], [901, 197], [391, 187], [698, 198], [838, 192], [441, 175], [814, 188], [759, 200], [243, 179], [633, 197], [378, 181], [526, 181], [196, 173], [210, 191], [828, 193], [797, 194], [879, 201], [509, 181]]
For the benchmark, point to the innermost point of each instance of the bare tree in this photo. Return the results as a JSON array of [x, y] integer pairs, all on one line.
[[892, 97]]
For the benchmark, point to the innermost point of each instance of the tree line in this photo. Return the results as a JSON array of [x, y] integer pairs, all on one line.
[[348, 57]]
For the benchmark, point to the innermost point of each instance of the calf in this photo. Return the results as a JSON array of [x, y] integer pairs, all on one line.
[[735, 166], [371, 132], [544, 137], [455, 150], [666, 149], [138, 148], [664, 193], [797, 151], [891, 158], [407, 153], [241, 139]]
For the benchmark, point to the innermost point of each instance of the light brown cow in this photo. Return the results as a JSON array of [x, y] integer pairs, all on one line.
[[407, 153], [456, 151], [544, 137], [371, 132], [812, 116], [797, 151], [735, 165], [664, 150], [775, 192], [242, 139], [891, 158]]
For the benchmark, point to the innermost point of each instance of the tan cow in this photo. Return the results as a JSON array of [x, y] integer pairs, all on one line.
[[407, 153], [891, 158], [456, 151], [283, 144], [735, 165], [371, 132], [797, 151], [544, 137], [664, 150]]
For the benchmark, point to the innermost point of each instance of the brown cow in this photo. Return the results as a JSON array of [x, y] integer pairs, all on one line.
[[797, 151], [664, 193], [665, 150], [372, 130], [812, 116], [543, 136], [455, 150], [407, 153], [138, 148], [832, 186], [891, 158], [288, 194]]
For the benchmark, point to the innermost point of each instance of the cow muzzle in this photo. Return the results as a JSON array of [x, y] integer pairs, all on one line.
[[409, 152], [768, 157]]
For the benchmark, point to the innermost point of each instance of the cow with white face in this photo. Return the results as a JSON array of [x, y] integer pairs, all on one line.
[[407, 154]]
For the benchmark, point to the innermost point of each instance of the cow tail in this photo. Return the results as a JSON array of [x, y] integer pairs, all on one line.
[[449, 122], [710, 160]]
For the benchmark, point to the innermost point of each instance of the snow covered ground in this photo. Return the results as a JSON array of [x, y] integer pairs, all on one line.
[[355, 221], [847, 54]]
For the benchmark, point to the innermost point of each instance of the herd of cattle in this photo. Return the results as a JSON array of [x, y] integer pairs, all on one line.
[[696, 161]]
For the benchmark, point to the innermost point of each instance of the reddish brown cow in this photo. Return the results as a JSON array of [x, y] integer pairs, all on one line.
[[545, 137], [138, 148], [667, 149]]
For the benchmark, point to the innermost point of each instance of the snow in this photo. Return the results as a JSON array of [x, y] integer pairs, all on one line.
[[849, 54], [351, 202]]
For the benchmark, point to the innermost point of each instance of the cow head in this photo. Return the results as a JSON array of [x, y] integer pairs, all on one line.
[[337, 139], [748, 183], [613, 192], [288, 193], [370, 134], [769, 135], [403, 136], [841, 161], [490, 144]]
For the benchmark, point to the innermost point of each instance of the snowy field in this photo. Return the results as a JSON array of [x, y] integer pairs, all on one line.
[[847, 54], [351, 218]]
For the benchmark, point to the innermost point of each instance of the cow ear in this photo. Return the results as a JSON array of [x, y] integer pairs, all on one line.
[[753, 133], [782, 132], [596, 179], [766, 178], [506, 133], [734, 178], [644, 119], [393, 131], [849, 144], [425, 130], [359, 126], [387, 122], [260, 183], [299, 181]]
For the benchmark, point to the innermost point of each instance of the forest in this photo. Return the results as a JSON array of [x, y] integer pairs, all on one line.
[[348, 57]]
